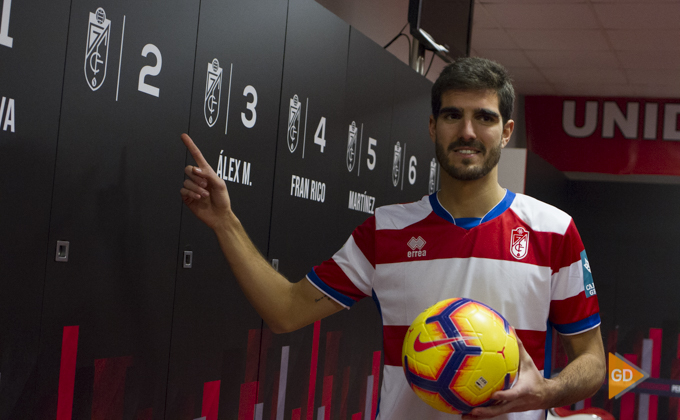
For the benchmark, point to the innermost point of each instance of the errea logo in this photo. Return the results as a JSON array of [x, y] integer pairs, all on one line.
[[416, 246]]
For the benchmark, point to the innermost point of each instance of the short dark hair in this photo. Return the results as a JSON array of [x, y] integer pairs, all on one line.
[[472, 74]]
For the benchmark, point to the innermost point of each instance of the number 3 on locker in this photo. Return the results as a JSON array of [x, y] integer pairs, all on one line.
[[250, 106]]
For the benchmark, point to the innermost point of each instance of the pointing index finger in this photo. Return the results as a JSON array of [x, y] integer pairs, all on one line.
[[195, 152]]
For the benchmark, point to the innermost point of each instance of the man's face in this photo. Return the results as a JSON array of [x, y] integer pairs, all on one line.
[[469, 133]]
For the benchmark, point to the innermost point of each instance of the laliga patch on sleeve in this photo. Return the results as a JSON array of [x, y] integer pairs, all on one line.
[[588, 284]]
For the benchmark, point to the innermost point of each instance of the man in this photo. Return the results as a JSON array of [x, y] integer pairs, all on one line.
[[522, 257]]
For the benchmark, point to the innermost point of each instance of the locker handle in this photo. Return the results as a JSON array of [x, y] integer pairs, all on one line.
[[62, 251], [188, 259]]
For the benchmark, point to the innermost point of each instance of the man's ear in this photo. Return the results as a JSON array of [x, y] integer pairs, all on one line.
[[507, 132], [433, 128]]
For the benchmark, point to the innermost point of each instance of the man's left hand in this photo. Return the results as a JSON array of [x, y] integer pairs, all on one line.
[[530, 392]]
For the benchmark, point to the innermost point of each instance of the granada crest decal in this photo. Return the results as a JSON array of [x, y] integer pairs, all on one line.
[[396, 164], [213, 88], [351, 146], [519, 243], [97, 51], [433, 176], [293, 123]]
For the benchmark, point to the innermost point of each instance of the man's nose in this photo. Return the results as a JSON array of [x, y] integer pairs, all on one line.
[[468, 132]]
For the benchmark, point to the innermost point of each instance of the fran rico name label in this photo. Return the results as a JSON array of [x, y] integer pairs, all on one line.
[[361, 202], [308, 189]]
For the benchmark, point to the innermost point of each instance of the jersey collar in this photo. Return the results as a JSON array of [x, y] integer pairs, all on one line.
[[496, 211]]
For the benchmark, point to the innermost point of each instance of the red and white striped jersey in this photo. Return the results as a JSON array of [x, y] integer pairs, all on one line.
[[524, 258]]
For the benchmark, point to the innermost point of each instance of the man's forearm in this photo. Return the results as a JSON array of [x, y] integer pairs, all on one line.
[[283, 305], [265, 289], [579, 380]]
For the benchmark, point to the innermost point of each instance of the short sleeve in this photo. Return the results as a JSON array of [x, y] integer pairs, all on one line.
[[573, 306], [347, 277]]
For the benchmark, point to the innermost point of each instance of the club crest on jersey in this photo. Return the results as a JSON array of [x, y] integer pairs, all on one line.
[[396, 164], [433, 176], [293, 123], [351, 146], [519, 243], [97, 51], [416, 246], [213, 89]]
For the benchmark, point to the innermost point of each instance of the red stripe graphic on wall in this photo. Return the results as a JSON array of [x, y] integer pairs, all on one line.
[[312, 370], [296, 414], [247, 401], [344, 392], [211, 400], [248, 394], [67, 372], [109, 387], [253, 353], [376, 381], [329, 370]]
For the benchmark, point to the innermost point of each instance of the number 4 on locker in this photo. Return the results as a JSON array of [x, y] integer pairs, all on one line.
[[320, 135]]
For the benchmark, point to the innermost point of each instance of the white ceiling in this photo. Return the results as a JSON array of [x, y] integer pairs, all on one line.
[[555, 47]]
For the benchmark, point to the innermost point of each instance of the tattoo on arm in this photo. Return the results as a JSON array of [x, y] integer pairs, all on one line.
[[321, 298]]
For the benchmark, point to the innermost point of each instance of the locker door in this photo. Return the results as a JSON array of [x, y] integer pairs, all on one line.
[[312, 144], [108, 310], [217, 335], [355, 376], [32, 53], [415, 169]]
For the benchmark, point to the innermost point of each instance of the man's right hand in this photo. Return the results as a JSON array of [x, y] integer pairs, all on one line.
[[283, 305], [204, 192]]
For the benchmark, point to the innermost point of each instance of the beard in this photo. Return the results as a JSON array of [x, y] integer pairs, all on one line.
[[467, 172]]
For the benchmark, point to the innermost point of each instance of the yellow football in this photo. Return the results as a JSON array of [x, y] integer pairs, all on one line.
[[457, 353]]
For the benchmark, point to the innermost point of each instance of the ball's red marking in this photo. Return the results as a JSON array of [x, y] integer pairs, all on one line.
[[424, 345]]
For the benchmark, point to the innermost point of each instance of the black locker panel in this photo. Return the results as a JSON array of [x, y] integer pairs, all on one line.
[[311, 153], [372, 85], [32, 54], [312, 135], [108, 310], [235, 110], [363, 178], [367, 184], [415, 169]]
